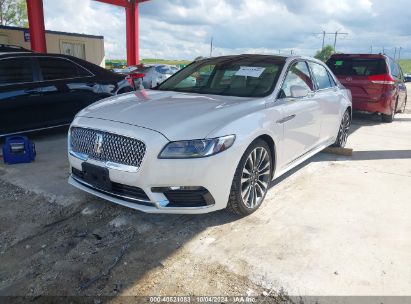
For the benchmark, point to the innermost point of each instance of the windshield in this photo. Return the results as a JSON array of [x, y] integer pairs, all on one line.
[[357, 66], [251, 76]]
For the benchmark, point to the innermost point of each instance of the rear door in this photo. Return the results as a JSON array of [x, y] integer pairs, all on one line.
[[67, 88], [328, 95], [360, 75]]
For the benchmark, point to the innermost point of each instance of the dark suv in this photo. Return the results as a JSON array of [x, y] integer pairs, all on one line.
[[40, 91], [376, 82]]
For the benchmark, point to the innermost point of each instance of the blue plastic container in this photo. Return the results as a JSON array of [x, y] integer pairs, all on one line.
[[18, 150]]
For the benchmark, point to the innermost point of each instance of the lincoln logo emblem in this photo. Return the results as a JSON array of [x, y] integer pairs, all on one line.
[[98, 144]]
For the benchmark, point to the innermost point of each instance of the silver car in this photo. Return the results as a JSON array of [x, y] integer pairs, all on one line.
[[154, 74], [212, 136]]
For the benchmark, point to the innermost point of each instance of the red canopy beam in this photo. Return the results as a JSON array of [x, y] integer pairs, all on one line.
[[131, 7], [36, 25], [38, 32], [132, 33], [123, 3]]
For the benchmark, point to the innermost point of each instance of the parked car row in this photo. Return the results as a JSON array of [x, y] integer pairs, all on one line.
[[148, 75], [212, 136]]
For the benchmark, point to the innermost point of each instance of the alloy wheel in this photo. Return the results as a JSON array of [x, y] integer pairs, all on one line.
[[344, 129], [255, 177]]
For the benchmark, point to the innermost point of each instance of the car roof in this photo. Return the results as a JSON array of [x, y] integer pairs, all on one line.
[[285, 58], [371, 56], [32, 54]]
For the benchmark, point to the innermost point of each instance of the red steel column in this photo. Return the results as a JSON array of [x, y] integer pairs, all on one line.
[[132, 33], [36, 25]]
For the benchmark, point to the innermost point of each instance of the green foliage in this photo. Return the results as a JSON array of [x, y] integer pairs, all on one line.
[[13, 12], [325, 53]]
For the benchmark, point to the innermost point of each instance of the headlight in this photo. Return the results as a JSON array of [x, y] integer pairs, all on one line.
[[197, 148]]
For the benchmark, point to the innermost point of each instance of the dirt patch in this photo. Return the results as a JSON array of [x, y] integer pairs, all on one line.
[[100, 249]]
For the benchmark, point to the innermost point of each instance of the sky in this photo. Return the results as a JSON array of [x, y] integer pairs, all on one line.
[[182, 29]]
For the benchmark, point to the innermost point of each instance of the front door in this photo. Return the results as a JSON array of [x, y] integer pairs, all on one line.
[[301, 115]]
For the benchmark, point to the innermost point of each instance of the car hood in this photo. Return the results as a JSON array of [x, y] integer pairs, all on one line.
[[176, 115]]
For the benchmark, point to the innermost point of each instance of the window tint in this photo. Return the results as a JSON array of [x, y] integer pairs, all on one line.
[[298, 75], [15, 70], [57, 68], [357, 66], [320, 74]]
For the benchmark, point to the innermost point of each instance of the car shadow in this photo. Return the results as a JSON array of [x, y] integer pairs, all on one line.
[[87, 247]]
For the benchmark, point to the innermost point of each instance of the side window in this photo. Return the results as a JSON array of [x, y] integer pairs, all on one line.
[[332, 81], [58, 68], [298, 75], [15, 70], [322, 79]]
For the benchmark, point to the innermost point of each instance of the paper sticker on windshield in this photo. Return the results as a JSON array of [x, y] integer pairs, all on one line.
[[250, 71], [338, 62]]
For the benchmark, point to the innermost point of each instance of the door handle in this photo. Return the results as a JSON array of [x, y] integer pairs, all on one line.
[[285, 119]]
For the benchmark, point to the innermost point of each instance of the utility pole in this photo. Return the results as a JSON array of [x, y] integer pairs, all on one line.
[[335, 38], [395, 52], [371, 50], [323, 33], [211, 46], [323, 40], [399, 54]]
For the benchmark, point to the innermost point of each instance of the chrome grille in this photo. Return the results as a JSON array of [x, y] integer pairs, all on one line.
[[113, 148]]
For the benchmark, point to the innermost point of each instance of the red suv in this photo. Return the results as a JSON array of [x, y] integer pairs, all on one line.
[[376, 82]]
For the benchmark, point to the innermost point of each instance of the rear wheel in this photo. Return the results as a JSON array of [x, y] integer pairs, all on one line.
[[389, 117], [251, 179], [343, 130]]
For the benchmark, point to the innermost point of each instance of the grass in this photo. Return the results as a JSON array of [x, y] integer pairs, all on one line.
[[405, 66]]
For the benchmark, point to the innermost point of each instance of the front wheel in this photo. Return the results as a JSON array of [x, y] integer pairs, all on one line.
[[343, 130], [251, 179]]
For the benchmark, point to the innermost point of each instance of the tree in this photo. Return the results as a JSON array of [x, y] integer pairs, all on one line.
[[325, 53], [13, 12]]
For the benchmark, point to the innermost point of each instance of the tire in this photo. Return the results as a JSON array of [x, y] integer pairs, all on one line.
[[249, 188], [343, 130], [388, 118]]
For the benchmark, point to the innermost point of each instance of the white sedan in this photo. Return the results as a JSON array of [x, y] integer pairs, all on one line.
[[212, 136]]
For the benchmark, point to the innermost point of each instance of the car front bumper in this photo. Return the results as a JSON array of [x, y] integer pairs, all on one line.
[[213, 174]]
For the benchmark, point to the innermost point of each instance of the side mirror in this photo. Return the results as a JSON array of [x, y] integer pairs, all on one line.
[[298, 91]]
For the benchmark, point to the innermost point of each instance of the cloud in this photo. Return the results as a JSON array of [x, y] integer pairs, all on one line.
[[182, 29]]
